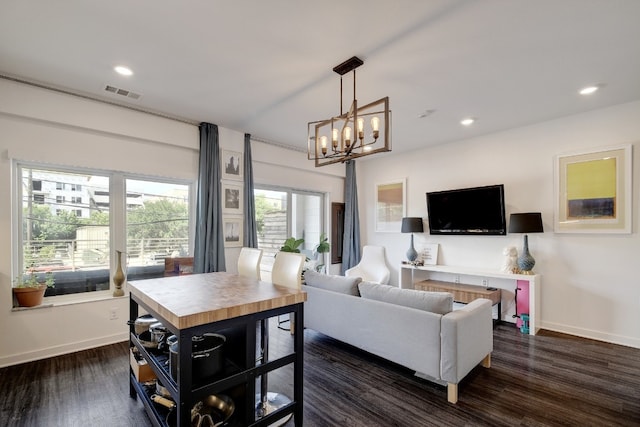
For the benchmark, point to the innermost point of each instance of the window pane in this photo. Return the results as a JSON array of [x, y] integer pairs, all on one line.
[[69, 239], [157, 226], [271, 222], [281, 214]]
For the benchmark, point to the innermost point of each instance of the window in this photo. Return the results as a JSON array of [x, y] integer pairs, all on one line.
[[284, 213], [157, 226], [75, 241]]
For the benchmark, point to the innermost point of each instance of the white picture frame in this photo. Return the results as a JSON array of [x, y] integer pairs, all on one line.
[[429, 254], [593, 191], [232, 198], [390, 205], [232, 165], [233, 231]]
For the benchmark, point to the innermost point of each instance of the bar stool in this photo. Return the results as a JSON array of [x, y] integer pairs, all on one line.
[[287, 271]]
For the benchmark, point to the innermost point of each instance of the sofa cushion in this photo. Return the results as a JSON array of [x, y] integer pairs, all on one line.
[[329, 282], [435, 302]]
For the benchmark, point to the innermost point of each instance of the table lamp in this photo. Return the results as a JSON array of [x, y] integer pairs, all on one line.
[[530, 222], [412, 225]]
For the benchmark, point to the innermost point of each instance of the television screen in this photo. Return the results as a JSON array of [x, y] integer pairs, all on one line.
[[478, 210]]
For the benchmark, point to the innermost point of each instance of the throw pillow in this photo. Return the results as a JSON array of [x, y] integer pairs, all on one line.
[[329, 282], [435, 302]]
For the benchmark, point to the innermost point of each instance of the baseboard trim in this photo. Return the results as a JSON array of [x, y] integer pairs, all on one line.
[[592, 334], [45, 353]]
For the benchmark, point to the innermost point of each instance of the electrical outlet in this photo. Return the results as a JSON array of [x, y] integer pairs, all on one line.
[[113, 314], [485, 282], [457, 279]]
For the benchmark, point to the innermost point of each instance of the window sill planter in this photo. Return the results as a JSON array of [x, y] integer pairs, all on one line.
[[29, 296]]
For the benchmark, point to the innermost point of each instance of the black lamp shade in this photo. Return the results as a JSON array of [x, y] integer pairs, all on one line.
[[412, 225], [530, 222]]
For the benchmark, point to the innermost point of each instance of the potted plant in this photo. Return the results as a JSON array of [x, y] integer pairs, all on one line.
[[292, 245], [29, 289], [322, 248]]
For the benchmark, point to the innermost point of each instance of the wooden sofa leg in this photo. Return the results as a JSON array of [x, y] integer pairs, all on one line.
[[486, 362], [452, 392]]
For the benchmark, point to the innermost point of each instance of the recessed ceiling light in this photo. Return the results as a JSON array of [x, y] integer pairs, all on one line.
[[589, 90], [468, 121], [125, 71]]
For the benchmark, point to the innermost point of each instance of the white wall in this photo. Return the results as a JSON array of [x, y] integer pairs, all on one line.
[[590, 285], [46, 126]]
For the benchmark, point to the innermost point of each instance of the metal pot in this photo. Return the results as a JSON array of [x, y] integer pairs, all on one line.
[[213, 411], [158, 333], [206, 356], [147, 341], [142, 323]]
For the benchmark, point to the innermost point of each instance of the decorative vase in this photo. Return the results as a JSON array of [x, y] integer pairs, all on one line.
[[412, 254], [118, 277], [30, 296], [525, 260]]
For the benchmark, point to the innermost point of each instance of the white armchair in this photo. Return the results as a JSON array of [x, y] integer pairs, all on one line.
[[372, 266]]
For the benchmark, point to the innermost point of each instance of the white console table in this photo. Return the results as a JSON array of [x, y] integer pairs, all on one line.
[[527, 286]]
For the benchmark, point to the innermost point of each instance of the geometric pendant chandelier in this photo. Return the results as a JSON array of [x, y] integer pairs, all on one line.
[[361, 131]]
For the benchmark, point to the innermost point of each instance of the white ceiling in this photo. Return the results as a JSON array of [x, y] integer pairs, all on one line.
[[265, 67]]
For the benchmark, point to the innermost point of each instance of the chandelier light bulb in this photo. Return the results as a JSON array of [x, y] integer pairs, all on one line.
[[323, 144], [375, 125], [347, 136], [361, 129], [334, 137]]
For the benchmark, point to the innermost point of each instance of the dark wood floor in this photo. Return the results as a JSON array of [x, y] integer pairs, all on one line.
[[547, 380]]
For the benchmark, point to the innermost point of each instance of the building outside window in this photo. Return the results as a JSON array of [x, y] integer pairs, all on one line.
[[76, 241]]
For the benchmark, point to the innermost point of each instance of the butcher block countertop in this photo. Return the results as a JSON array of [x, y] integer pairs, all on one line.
[[198, 299]]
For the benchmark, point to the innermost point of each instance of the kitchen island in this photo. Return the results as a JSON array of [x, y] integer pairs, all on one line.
[[232, 306]]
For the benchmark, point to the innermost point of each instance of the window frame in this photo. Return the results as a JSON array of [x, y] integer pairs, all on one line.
[[117, 218], [290, 191]]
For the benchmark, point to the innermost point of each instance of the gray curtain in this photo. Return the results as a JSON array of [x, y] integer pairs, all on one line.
[[250, 239], [208, 254], [351, 242]]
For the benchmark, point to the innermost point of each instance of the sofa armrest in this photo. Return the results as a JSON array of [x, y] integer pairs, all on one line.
[[467, 339]]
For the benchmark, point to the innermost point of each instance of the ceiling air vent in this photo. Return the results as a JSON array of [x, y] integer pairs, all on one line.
[[122, 92]]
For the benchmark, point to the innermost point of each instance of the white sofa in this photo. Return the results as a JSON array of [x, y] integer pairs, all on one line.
[[441, 345]]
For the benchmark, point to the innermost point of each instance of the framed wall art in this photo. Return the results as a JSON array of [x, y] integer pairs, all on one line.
[[232, 227], [390, 205], [593, 191], [231, 198], [231, 165]]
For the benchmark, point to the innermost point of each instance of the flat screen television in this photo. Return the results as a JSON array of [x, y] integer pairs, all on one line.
[[474, 211]]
